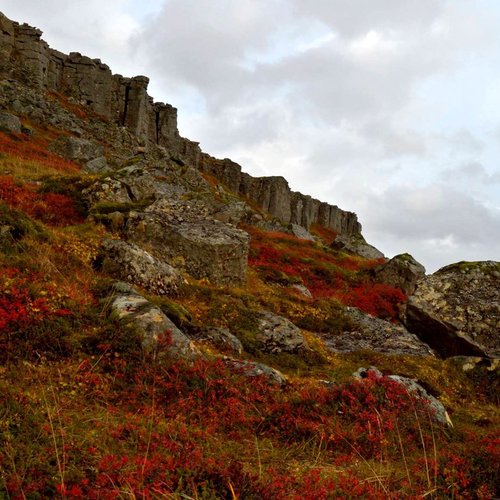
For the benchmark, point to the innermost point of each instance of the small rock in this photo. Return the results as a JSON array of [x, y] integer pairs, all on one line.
[[277, 334], [223, 339], [252, 369], [98, 165]]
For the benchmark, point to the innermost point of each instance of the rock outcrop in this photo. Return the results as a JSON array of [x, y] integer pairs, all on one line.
[[277, 334], [274, 195], [355, 244], [179, 234], [128, 262], [456, 310], [374, 334], [150, 322], [402, 271]]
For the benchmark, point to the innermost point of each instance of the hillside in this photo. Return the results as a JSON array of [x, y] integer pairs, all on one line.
[[172, 327]]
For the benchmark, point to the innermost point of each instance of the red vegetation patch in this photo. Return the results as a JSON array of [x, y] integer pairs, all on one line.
[[374, 298], [34, 149], [51, 208], [194, 429], [22, 306], [285, 259], [325, 233]]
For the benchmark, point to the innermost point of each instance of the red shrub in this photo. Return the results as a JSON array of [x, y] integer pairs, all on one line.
[[50, 208]]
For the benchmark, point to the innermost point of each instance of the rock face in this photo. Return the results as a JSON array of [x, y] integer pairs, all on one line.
[[375, 334], [149, 320], [277, 334], [26, 57], [125, 101], [128, 262], [457, 309], [273, 195], [402, 271], [413, 388]]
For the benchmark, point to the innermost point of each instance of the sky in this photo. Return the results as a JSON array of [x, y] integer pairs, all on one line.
[[387, 108]]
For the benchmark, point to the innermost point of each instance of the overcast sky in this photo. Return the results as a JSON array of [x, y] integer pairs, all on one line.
[[388, 108]]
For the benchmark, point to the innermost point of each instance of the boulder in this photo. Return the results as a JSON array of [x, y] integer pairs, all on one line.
[[128, 305], [301, 232], [402, 271], [10, 123], [413, 388], [98, 165], [277, 334], [456, 310], [76, 149], [374, 334], [222, 338], [356, 245], [252, 369], [204, 248], [130, 263]]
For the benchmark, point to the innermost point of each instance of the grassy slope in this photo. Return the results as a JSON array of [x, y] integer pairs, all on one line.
[[86, 414]]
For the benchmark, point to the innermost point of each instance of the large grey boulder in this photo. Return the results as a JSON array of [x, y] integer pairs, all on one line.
[[413, 388], [10, 123], [204, 248], [76, 148], [374, 334], [457, 309], [128, 262], [356, 245], [277, 334], [402, 271], [150, 321]]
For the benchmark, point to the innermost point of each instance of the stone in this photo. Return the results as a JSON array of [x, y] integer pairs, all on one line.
[[456, 310], [98, 165], [150, 321], [76, 149], [223, 339], [277, 334], [356, 245], [302, 289], [402, 271], [413, 387], [252, 369], [301, 232], [10, 123], [204, 248], [126, 261], [374, 334]]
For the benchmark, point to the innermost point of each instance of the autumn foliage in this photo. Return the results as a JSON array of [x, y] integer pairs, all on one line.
[[286, 259], [51, 208]]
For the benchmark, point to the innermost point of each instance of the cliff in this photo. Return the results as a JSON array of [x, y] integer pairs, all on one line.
[[26, 57]]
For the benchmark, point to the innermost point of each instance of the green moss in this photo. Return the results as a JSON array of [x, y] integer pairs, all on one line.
[[467, 266]]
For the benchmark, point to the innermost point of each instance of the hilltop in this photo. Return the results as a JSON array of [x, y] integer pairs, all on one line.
[[172, 327]]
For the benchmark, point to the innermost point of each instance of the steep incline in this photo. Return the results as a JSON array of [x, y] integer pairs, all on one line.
[[26, 57]]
